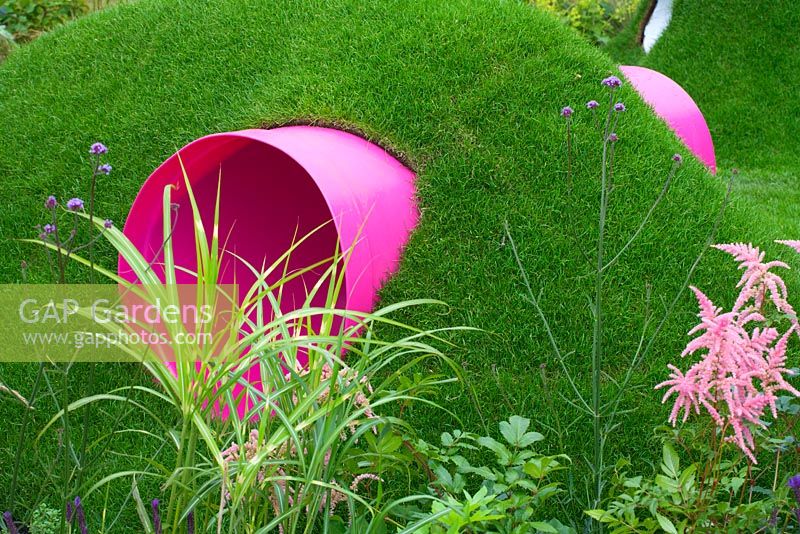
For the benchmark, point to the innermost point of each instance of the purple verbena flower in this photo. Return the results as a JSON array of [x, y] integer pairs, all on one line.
[[80, 516], [49, 229], [612, 82], [619, 106], [156, 517], [75, 204], [108, 223], [677, 158], [566, 112], [773, 518], [613, 137], [794, 485], [105, 168], [12, 527], [51, 202], [592, 104], [97, 149]]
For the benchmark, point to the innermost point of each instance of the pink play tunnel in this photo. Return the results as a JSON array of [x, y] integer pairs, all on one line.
[[276, 186], [677, 109]]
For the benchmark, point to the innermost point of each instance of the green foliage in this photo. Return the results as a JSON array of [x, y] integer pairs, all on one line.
[[45, 520], [716, 494], [308, 449], [511, 491], [25, 19], [598, 20]]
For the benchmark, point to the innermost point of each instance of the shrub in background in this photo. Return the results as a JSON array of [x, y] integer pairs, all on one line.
[[597, 20], [23, 20]]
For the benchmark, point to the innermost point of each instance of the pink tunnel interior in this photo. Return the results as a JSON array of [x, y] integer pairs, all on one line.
[[677, 109], [276, 186]]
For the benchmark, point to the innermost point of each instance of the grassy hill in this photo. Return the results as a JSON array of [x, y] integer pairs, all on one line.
[[740, 61], [470, 92]]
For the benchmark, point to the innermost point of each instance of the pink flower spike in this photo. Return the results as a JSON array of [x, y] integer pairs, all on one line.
[[742, 366], [791, 244], [741, 252]]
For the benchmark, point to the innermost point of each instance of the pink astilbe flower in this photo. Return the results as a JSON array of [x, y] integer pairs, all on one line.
[[795, 244], [743, 365], [757, 281]]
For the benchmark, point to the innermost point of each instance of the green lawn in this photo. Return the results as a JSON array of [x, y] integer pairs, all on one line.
[[740, 61], [470, 92]]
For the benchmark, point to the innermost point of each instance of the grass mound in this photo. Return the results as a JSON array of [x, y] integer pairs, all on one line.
[[469, 91], [740, 61]]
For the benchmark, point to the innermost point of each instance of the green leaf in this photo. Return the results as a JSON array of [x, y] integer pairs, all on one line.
[[671, 461], [543, 527], [447, 439], [665, 524], [666, 483], [141, 511], [600, 515], [633, 482], [503, 455], [515, 432]]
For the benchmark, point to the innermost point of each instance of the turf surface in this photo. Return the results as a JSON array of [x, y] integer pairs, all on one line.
[[469, 91], [740, 61]]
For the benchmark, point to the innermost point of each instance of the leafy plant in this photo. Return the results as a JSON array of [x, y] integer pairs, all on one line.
[[744, 360], [302, 448], [598, 20], [25, 19], [714, 495], [742, 369], [511, 492], [45, 520]]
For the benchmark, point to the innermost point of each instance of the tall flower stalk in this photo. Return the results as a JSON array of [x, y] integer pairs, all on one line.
[[603, 409]]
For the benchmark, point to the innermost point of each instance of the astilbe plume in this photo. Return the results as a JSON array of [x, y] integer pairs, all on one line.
[[743, 366]]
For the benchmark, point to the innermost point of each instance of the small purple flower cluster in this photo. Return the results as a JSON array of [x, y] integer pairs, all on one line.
[[75, 514], [612, 82], [8, 519], [75, 204], [97, 149], [794, 485]]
